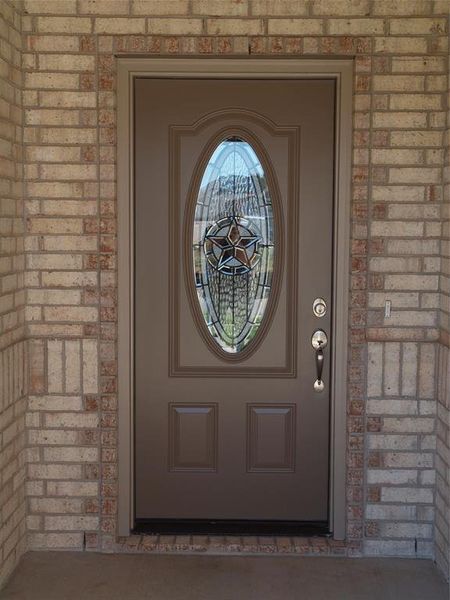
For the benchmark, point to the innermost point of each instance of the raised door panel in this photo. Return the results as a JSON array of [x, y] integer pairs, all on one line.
[[271, 438], [193, 437], [191, 352]]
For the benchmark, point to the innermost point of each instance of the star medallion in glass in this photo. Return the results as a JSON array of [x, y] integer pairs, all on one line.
[[233, 244]]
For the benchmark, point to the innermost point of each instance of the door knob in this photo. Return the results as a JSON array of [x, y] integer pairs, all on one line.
[[319, 340]]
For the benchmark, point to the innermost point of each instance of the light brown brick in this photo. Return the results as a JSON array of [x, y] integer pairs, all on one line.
[[66, 62], [103, 7], [70, 243], [51, 117], [64, 25], [295, 27], [411, 282], [65, 99], [46, 225], [69, 488], [62, 81], [72, 454], [174, 26], [340, 7], [64, 523], [47, 437], [36, 296], [68, 207], [66, 541], [159, 7], [414, 175], [278, 8], [55, 190], [393, 156], [417, 26], [70, 420], [398, 120], [68, 136], [394, 83], [70, 313], [63, 278], [396, 228], [221, 8], [402, 7], [58, 403], [62, 172], [52, 153], [54, 43], [355, 26], [416, 138], [66, 7], [401, 45], [398, 193], [415, 101], [119, 25], [54, 261], [418, 64], [54, 471]]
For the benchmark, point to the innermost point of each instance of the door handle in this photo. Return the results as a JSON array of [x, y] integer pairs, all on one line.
[[319, 340]]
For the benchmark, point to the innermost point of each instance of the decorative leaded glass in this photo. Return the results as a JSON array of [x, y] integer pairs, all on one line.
[[233, 244]]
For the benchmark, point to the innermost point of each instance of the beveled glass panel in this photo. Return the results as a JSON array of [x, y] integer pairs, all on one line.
[[233, 244]]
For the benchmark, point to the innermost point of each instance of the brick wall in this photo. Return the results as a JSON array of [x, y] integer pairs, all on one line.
[[12, 298], [13, 381], [12, 345], [401, 408], [442, 531], [400, 85]]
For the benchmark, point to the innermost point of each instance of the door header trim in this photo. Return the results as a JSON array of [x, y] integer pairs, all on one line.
[[130, 68], [246, 68]]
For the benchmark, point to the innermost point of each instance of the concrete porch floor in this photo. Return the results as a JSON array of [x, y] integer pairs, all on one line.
[[76, 576]]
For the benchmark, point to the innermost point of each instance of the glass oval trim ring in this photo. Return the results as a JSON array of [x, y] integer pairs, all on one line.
[[234, 244]]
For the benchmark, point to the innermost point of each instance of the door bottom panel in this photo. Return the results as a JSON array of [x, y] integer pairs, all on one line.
[[230, 527]]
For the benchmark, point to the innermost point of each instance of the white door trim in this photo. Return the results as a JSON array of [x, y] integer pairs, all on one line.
[[271, 68]]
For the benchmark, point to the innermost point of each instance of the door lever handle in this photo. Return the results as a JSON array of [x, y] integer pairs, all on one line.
[[318, 341], [318, 384]]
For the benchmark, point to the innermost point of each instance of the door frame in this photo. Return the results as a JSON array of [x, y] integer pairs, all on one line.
[[341, 70]]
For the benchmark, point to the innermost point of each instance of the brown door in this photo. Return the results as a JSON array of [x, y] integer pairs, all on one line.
[[233, 244]]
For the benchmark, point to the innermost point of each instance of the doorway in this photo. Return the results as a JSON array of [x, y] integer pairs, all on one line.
[[235, 299]]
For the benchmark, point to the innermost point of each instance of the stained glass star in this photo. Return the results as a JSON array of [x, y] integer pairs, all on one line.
[[235, 246]]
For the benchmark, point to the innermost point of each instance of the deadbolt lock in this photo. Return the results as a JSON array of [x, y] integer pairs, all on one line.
[[319, 307]]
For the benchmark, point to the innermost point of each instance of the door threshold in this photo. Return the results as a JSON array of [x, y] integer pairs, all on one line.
[[231, 527]]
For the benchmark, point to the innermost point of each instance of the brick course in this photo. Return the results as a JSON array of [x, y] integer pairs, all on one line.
[[399, 226]]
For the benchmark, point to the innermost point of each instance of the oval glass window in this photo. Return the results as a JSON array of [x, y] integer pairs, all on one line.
[[233, 245]]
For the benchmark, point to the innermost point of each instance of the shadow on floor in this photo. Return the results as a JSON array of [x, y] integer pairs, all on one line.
[[77, 576]]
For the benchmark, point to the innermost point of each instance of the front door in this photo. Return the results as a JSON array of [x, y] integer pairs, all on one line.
[[233, 275]]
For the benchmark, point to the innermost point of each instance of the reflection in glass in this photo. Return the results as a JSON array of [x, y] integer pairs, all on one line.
[[233, 244]]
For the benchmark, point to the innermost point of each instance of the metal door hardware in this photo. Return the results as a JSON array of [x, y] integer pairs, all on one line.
[[319, 307], [319, 340]]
